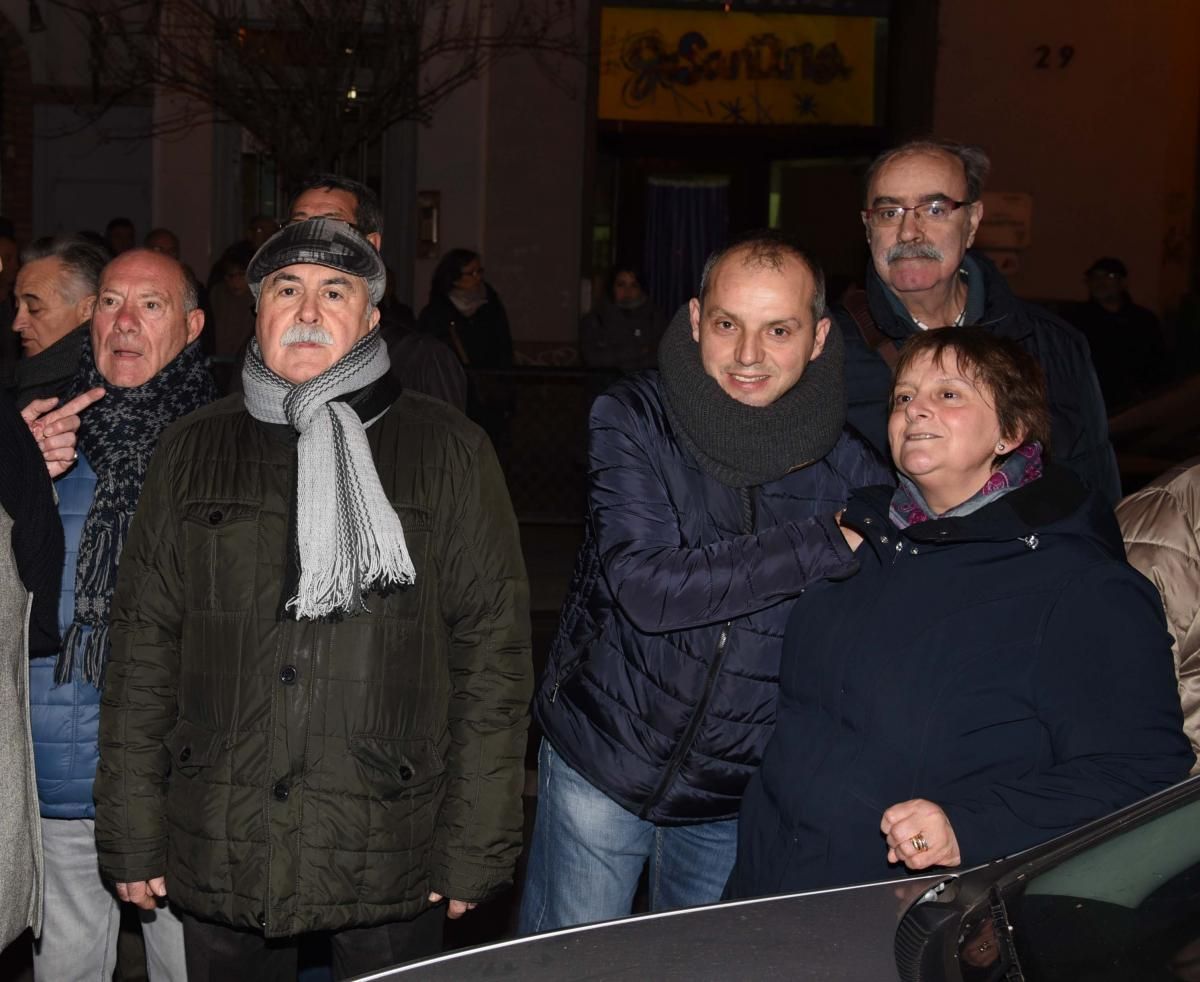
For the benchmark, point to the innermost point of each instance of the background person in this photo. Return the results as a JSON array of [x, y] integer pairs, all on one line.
[[465, 313], [1126, 340], [120, 235], [55, 293], [624, 328], [994, 674]]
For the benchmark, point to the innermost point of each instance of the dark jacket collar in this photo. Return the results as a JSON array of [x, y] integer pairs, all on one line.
[[999, 304], [1057, 501]]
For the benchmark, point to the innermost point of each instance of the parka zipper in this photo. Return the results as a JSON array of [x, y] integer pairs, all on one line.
[[714, 669]]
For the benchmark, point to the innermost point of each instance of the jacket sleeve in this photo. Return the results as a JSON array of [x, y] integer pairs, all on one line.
[[664, 585], [868, 382], [138, 707], [1105, 694], [438, 370], [1159, 525], [485, 604], [1090, 454]]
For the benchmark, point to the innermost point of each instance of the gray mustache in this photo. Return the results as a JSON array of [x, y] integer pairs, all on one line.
[[305, 334], [913, 250]]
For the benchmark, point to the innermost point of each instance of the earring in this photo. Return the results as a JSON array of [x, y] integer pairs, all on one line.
[[999, 448]]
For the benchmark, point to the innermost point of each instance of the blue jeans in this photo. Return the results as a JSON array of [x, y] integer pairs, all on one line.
[[588, 853]]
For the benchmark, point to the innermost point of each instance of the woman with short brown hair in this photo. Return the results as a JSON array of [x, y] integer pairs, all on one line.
[[995, 673]]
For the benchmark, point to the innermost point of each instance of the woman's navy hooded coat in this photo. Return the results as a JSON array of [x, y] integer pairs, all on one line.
[[1007, 665]]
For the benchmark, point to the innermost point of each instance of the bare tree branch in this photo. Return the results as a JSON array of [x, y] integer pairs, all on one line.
[[311, 80]]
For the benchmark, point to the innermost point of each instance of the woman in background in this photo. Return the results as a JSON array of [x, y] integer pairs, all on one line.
[[466, 313]]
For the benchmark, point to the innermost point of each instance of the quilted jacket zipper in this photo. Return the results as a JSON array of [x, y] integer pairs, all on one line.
[[714, 669]]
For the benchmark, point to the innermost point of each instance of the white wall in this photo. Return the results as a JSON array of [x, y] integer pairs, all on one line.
[[452, 159], [507, 153]]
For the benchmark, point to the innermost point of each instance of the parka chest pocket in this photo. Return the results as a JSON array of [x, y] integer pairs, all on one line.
[[220, 553], [404, 603]]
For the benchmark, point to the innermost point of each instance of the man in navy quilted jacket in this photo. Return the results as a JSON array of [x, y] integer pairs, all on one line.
[[713, 489]]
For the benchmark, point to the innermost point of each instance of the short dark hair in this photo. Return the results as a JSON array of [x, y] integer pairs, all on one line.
[[767, 248], [449, 270], [81, 258], [120, 222], [368, 214], [974, 160], [1011, 374]]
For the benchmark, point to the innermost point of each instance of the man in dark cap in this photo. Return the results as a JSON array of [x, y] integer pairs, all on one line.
[[419, 360], [1127, 342], [317, 701]]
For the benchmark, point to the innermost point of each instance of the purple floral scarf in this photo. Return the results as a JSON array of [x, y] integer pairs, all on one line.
[[1023, 466]]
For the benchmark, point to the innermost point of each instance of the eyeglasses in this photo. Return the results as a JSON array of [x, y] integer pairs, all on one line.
[[938, 210], [472, 272]]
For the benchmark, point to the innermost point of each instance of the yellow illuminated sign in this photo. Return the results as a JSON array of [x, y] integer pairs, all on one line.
[[688, 66]]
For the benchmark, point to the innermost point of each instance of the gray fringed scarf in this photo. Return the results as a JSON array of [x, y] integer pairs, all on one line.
[[117, 437], [739, 445], [350, 538]]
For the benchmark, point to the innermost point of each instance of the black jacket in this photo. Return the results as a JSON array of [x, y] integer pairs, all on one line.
[[1007, 665], [27, 497], [1079, 432]]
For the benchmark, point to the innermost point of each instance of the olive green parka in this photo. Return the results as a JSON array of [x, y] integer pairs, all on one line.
[[290, 776]]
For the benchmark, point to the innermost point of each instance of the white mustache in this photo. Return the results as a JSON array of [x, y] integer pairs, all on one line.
[[913, 250], [305, 334]]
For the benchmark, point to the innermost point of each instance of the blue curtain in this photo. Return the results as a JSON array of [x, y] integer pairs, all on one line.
[[686, 219]]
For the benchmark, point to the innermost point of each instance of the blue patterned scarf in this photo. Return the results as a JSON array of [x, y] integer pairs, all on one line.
[[117, 436]]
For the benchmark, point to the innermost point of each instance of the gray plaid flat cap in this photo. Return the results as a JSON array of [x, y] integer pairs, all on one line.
[[325, 242]]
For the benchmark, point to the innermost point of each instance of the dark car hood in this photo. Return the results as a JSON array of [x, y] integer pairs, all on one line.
[[844, 934]]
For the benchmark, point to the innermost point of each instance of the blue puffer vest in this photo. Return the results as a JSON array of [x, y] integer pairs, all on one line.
[[66, 718], [661, 684]]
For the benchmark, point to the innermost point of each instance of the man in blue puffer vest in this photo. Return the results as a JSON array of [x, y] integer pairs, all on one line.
[[140, 348], [713, 489]]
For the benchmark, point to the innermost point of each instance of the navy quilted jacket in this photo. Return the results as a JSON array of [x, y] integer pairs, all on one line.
[[65, 719], [661, 683]]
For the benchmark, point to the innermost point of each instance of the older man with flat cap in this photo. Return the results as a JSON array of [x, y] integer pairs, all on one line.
[[317, 699]]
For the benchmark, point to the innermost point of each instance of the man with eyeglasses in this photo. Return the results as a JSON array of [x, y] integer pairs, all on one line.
[[921, 213]]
